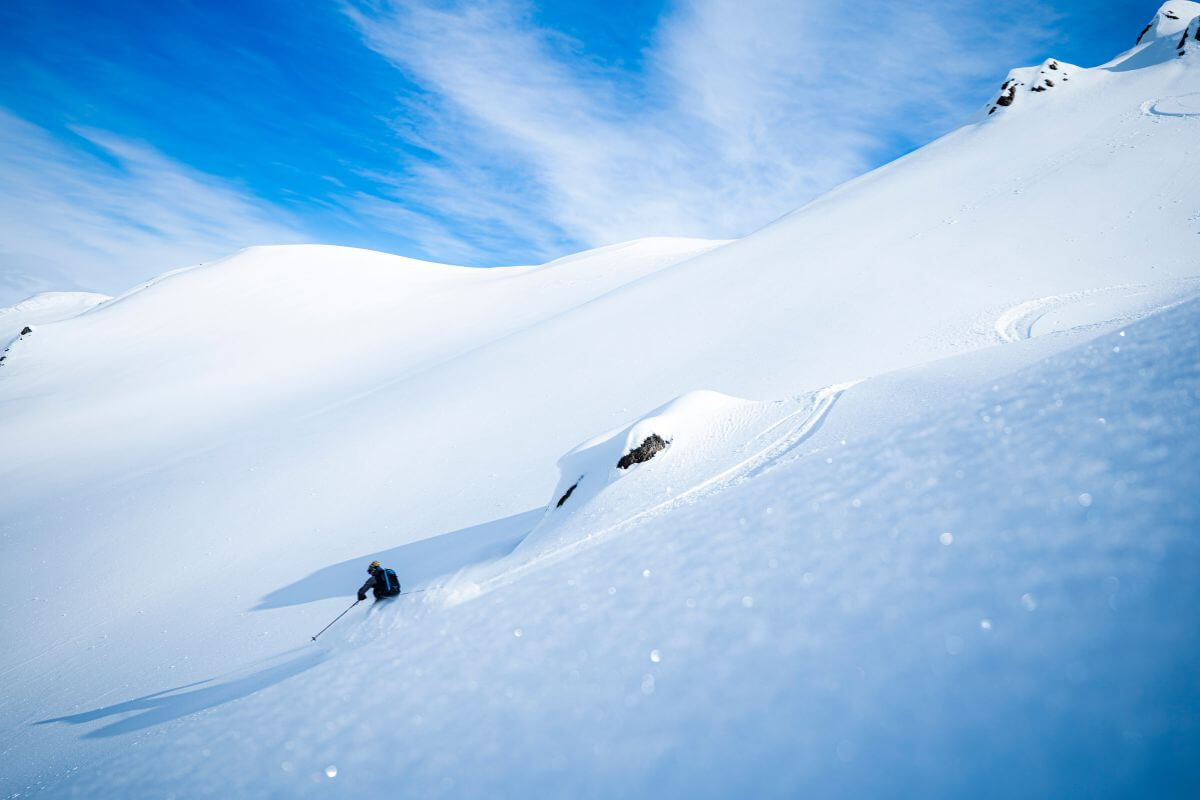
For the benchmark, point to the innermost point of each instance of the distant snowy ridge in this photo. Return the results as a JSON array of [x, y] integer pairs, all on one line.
[[1165, 38], [45, 308]]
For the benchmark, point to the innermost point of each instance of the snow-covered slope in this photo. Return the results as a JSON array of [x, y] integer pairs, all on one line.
[[195, 474], [989, 600]]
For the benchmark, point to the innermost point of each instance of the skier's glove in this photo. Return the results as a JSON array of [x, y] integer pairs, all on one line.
[[362, 596]]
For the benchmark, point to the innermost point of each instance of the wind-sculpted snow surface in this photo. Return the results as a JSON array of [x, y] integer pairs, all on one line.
[[983, 602]]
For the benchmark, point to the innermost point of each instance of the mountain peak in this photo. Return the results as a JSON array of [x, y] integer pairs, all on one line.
[[1171, 19], [1174, 31], [1050, 74], [1165, 37]]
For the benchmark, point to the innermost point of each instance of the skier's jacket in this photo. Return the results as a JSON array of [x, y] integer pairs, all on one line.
[[383, 582]]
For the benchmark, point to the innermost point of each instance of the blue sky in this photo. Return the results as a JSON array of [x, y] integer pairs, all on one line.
[[137, 137]]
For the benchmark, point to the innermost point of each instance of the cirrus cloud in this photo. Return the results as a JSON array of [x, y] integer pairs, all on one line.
[[741, 112]]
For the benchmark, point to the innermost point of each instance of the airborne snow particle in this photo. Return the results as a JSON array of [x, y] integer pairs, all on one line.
[[517, 632], [946, 538], [647, 684], [655, 656], [645, 573], [1029, 602], [748, 601], [985, 624], [331, 771], [1085, 499]]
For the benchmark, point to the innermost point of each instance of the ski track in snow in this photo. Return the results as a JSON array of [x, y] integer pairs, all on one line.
[[823, 402], [1181, 106], [1016, 324]]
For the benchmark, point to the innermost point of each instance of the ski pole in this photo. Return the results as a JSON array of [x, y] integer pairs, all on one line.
[[335, 619], [422, 589]]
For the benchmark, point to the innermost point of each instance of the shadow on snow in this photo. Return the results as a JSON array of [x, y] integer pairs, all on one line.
[[181, 701], [416, 564]]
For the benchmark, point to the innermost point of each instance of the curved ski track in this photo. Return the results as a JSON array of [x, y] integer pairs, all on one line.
[[1016, 324], [824, 401]]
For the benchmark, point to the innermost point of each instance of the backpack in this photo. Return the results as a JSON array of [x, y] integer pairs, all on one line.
[[386, 583]]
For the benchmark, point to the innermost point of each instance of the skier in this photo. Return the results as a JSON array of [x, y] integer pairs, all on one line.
[[382, 581]]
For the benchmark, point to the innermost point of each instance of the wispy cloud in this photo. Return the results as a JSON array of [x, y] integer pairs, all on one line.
[[744, 110], [103, 213]]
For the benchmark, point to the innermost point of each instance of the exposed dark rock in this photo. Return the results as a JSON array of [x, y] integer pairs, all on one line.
[[1049, 82], [1038, 89], [643, 452], [1053, 65], [26, 330], [1007, 99], [567, 494], [1197, 36], [992, 110], [1182, 39], [1170, 15], [1143, 33]]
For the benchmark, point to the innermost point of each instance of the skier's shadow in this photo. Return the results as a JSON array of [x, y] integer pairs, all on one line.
[[181, 701], [417, 564]]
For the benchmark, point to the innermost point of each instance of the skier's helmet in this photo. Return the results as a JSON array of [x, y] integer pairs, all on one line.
[[374, 566]]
